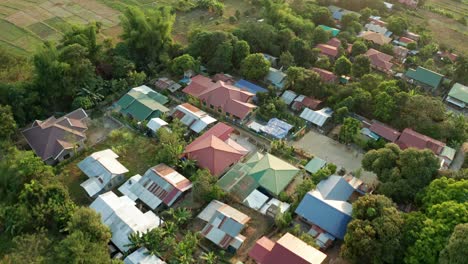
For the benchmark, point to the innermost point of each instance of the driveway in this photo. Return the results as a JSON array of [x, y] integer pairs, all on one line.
[[332, 151], [457, 162]]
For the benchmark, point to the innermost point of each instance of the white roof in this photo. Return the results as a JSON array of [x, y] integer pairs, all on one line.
[[255, 200], [376, 28], [342, 206], [255, 126], [288, 96], [210, 210], [316, 117], [156, 123], [107, 159], [281, 205], [92, 186], [142, 256], [196, 120], [143, 89], [123, 218]]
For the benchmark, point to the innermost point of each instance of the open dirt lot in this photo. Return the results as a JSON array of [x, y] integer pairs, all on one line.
[[334, 152]]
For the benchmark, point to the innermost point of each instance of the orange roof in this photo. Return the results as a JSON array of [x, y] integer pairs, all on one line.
[[377, 38]]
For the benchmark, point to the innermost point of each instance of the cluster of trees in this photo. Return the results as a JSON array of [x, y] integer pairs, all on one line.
[[37, 214], [435, 234]]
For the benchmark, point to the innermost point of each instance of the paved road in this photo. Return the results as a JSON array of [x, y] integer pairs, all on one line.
[[332, 151]]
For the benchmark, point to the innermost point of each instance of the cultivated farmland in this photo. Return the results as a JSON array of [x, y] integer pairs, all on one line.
[[24, 24]]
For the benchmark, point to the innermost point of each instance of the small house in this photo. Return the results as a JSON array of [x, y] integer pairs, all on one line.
[[160, 185], [167, 84], [250, 87], [303, 101], [328, 50], [384, 131], [333, 31], [196, 119], [425, 78], [142, 256], [315, 165], [288, 96], [376, 38], [317, 118], [379, 60], [276, 128], [155, 124], [142, 103], [326, 76], [223, 225], [458, 95], [123, 218], [103, 170], [412, 139], [277, 78], [55, 140], [288, 249]]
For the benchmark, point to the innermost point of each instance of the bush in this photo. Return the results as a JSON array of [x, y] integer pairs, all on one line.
[[232, 19]]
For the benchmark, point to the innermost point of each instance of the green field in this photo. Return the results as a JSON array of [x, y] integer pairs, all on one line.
[[445, 30], [26, 23]]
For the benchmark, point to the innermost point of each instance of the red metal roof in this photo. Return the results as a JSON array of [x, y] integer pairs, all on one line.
[[406, 40], [221, 95], [410, 138], [334, 42], [261, 249], [379, 59], [384, 131], [328, 50], [326, 76], [211, 152]]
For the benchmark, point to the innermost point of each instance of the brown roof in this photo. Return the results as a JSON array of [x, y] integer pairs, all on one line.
[[377, 38], [326, 76], [334, 42], [328, 50], [406, 40], [379, 59], [384, 131], [50, 137], [221, 95], [303, 101], [412, 139]]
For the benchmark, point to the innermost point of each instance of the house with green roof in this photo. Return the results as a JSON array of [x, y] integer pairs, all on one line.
[[315, 165], [458, 95], [424, 77], [142, 103], [333, 31], [263, 171]]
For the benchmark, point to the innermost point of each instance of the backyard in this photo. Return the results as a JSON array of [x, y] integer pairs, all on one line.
[[135, 153]]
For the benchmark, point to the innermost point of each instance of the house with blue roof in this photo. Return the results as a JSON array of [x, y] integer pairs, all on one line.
[[251, 87], [327, 206], [338, 12]]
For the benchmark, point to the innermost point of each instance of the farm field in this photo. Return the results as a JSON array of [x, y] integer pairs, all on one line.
[[26, 23], [445, 30]]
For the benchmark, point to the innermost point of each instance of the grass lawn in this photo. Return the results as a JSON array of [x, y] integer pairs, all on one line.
[[136, 152]]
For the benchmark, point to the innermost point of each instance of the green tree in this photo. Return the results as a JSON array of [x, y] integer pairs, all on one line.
[[204, 187], [454, 252], [221, 60], [304, 55], [183, 63], [29, 248], [305, 82], [461, 70], [397, 25], [340, 114], [255, 67], [373, 235], [361, 66], [359, 47], [320, 36], [87, 221], [286, 60], [445, 189], [78, 248], [385, 107], [349, 130], [241, 51], [147, 34], [8, 124], [171, 147], [387, 49], [342, 66]]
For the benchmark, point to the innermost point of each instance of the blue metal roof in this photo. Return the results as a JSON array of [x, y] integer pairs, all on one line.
[[335, 188], [253, 88], [276, 128], [322, 214]]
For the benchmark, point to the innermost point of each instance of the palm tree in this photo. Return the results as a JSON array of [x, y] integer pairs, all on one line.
[[209, 258], [136, 240], [187, 166], [182, 215]]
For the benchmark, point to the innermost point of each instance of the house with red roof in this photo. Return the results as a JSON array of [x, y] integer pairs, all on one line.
[[379, 60], [412, 139], [288, 249], [215, 150], [328, 50], [303, 101], [335, 42], [384, 131], [326, 76], [221, 96]]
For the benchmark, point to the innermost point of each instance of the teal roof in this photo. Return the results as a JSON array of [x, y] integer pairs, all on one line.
[[459, 92], [315, 164], [425, 76], [160, 98], [141, 106], [334, 31]]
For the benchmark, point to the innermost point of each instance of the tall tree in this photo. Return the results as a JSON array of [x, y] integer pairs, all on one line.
[[147, 34], [361, 66], [342, 66], [183, 63], [349, 130], [385, 107], [359, 47], [373, 236], [8, 124], [455, 251], [319, 36], [255, 66], [241, 51]]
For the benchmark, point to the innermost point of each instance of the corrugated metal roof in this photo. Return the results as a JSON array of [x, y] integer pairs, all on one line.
[[316, 117], [276, 77], [276, 128], [459, 92], [255, 200], [335, 188], [315, 164], [142, 256], [253, 88], [156, 123], [123, 218], [425, 76], [288, 96]]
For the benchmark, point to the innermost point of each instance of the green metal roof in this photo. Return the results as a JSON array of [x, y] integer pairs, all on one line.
[[237, 182], [459, 92], [273, 173], [334, 31], [315, 164], [160, 98], [448, 152], [140, 106], [425, 76]]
